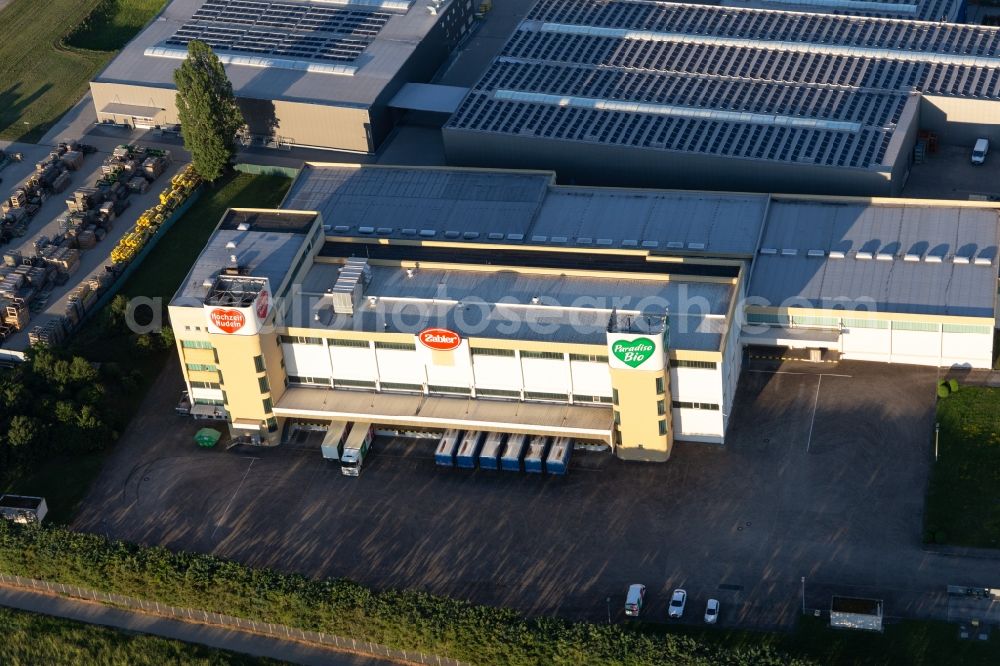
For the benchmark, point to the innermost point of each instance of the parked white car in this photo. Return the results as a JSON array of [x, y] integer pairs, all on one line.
[[712, 611], [677, 602], [633, 600]]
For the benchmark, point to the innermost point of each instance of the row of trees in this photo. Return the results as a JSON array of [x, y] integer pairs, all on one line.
[[402, 619]]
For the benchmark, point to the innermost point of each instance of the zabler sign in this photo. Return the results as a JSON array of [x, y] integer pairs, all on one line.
[[439, 339], [635, 352]]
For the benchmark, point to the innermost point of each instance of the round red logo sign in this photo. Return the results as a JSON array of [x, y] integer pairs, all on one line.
[[439, 339]]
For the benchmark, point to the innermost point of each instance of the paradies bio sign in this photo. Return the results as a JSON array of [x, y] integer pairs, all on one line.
[[634, 352], [439, 339]]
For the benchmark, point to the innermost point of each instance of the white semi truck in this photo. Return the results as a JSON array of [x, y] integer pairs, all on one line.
[[356, 448]]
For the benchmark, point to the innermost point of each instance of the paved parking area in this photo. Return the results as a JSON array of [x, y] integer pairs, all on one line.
[[823, 477], [950, 174]]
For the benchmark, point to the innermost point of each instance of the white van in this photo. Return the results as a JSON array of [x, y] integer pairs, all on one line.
[[979, 151]]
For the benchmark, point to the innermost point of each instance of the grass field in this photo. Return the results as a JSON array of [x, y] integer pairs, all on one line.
[[30, 639], [41, 76], [113, 23], [963, 502], [907, 643]]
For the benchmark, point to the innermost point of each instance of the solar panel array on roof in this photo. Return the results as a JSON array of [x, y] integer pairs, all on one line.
[[757, 84], [306, 31]]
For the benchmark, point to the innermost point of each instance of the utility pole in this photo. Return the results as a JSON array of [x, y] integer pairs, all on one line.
[[803, 595], [937, 431]]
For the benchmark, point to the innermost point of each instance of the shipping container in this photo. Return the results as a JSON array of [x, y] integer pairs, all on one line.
[[468, 449], [447, 445], [333, 439], [489, 457], [557, 462], [535, 457], [513, 452]]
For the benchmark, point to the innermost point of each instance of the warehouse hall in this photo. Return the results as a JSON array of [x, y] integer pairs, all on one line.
[[516, 305]]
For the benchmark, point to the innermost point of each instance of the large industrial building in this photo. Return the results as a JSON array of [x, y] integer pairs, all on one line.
[[441, 298], [315, 73], [658, 94]]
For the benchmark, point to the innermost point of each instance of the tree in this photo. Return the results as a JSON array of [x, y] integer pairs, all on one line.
[[207, 110]]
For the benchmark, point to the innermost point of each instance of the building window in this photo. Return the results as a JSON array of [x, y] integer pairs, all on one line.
[[294, 379], [268, 406], [659, 387], [702, 365], [864, 323], [202, 367], [353, 383], [915, 326], [538, 354], [578, 398], [196, 344], [967, 328], [487, 351], [497, 393], [204, 385], [401, 346], [207, 401], [264, 386], [272, 424], [463, 390], [711, 406], [299, 340], [661, 407], [258, 363], [663, 426], [549, 397], [215, 354], [337, 342], [618, 417], [225, 398], [614, 396], [401, 386], [588, 358]]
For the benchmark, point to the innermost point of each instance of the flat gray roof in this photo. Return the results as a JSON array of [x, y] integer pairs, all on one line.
[[523, 208], [379, 60], [891, 258], [742, 83], [266, 253], [499, 304], [428, 97]]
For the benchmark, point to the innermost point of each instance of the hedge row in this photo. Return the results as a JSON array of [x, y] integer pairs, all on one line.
[[402, 619]]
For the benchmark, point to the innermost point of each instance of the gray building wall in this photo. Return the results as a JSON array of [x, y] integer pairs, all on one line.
[[423, 63], [304, 124], [603, 164], [960, 121]]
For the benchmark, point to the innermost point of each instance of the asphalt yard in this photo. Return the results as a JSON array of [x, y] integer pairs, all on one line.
[[823, 477]]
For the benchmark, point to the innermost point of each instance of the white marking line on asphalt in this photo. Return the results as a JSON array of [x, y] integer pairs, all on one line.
[[786, 372], [226, 510], [812, 421]]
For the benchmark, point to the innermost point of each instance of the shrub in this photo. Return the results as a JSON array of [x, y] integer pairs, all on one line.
[[943, 390], [953, 385]]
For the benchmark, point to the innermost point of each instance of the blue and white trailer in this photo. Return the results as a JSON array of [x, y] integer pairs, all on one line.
[[489, 456], [513, 452], [446, 448], [534, 460], [557, 462], [468, 449]]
